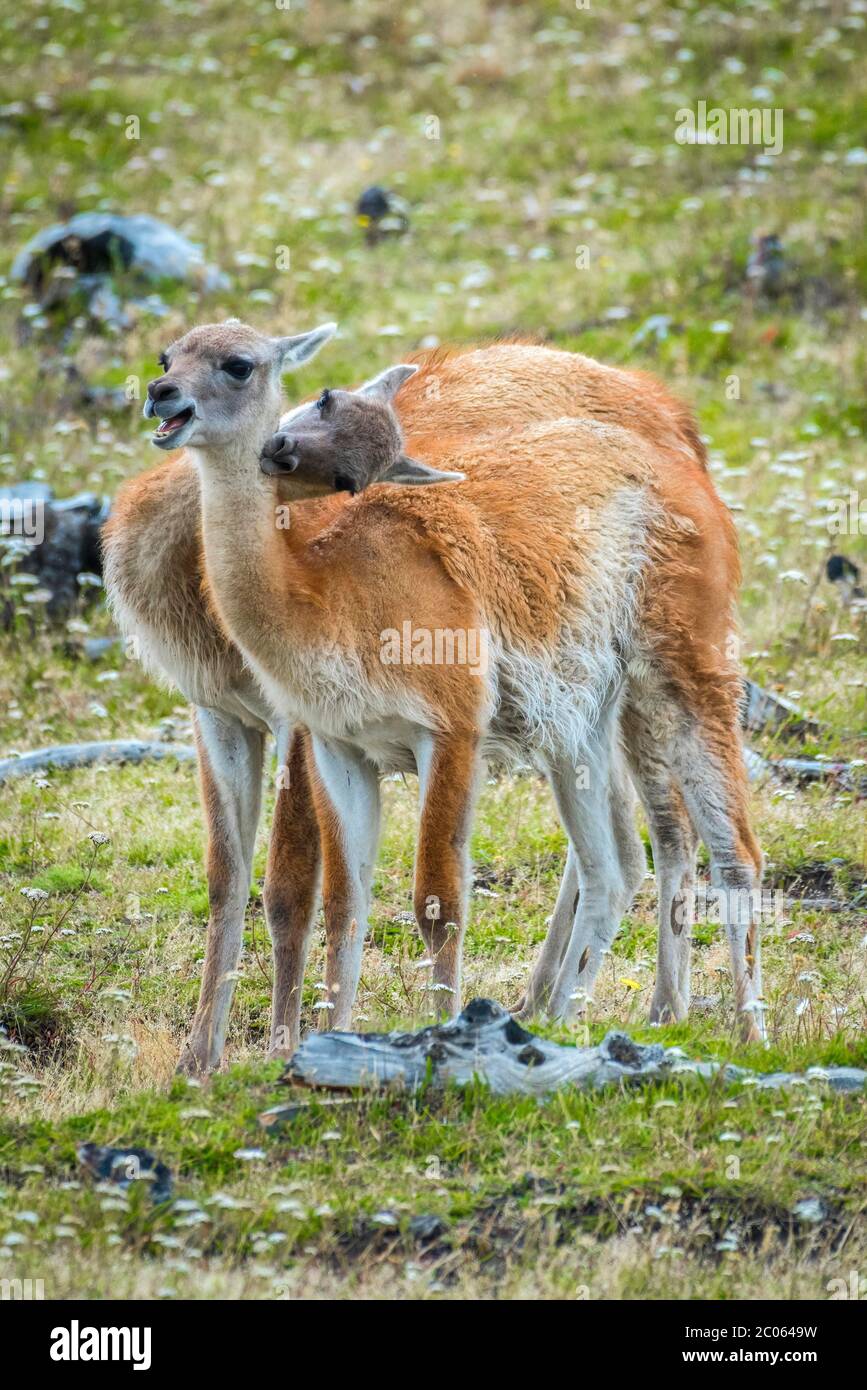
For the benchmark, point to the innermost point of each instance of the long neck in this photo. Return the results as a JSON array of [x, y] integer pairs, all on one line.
[[258, 574]]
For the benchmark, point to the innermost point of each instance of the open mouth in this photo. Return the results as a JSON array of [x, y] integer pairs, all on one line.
[[174, 423]]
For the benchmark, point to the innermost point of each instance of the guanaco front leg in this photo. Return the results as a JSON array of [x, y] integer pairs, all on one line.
[[230, 770], [448, 776], [291, 882]]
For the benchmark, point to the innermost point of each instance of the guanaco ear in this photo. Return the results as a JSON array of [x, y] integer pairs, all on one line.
[[385, 386], [291, 352], [412, 473]]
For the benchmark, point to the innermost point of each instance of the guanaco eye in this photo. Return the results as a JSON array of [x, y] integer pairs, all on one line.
[[238, 367], [323, 400], [163, 361]]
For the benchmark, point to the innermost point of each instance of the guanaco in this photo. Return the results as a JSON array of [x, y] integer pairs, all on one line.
[[659, 568]]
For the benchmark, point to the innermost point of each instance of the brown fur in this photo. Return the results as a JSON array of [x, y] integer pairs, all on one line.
[[499, 541], [441, 860], [466, 390], [291, 878]]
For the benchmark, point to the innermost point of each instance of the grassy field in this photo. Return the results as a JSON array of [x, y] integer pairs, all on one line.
[[534, 145]]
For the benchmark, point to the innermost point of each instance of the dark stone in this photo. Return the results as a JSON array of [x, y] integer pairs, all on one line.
[[70, 545], [840, 567], [620, 1048], [123, 1166], [373, 203], [480, 1011], [515, 1034], [426, 1227]]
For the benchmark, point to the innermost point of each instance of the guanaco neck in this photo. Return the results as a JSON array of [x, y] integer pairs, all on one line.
[[260, 578]]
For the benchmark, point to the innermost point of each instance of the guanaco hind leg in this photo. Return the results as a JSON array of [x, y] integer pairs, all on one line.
[[346, 794], [699, 746], [674, 845]]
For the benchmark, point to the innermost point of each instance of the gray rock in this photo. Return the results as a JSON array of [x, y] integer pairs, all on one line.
[[55, 541], [99, 243]]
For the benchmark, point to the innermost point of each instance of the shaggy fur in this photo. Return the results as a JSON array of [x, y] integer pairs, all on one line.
[[595, 550]]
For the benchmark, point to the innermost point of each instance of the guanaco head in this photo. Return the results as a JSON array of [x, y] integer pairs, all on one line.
[[345, 441], [222, 382]]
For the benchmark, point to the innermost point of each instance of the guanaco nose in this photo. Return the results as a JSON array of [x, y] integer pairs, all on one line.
[[274, 449], [163, 389]]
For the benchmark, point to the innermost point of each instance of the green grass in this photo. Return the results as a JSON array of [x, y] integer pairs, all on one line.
[[683, 1187], [555, 133]]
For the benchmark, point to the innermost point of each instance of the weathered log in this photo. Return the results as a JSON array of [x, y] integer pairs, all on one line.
[[764, 711], [485, 1043], [276, 1116], [849, 776], [71, 755]]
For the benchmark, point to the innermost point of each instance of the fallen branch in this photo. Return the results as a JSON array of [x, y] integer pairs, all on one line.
[[73, 755], [485, 1042], [763, 711], [802, 770]]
